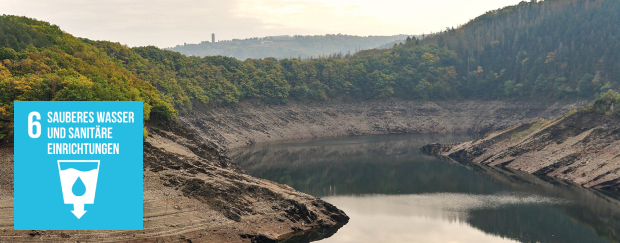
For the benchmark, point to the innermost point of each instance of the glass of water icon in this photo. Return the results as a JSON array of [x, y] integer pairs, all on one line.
[[78, 179]]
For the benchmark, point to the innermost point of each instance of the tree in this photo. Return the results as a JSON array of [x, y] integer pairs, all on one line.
[[585, 85]]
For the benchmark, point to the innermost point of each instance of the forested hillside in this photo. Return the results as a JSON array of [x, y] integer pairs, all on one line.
[[556, 49], [223, 80], [298, 46], [40, 62]]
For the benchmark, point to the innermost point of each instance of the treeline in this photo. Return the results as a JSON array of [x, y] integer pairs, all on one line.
[[423, 72]]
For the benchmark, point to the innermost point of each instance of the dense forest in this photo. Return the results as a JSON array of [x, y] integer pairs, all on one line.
[[556, 49], [298, 46], [40, 62]]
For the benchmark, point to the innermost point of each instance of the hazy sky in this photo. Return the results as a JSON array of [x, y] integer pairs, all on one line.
[[171, 22]]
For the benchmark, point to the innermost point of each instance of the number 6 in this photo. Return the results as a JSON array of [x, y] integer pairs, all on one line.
[[34, 123]]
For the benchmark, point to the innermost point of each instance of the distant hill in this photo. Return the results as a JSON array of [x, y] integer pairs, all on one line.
[[288, 46]]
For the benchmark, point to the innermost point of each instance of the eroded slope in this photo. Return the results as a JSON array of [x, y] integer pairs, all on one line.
[[192, 193], [582, 147], [249, 123]]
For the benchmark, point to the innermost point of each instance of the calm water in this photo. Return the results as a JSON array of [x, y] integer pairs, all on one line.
[[395, 193]]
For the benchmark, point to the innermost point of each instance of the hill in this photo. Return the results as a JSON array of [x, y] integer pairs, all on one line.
[[40, 62], [551, 50], [298, 46], [582, 146]]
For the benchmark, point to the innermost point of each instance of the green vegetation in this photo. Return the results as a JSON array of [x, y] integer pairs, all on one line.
[[40, 62], [607, 104], [421, 72], [533, 126], [552, 49], [186, 81], [556, 49], [287, 46]]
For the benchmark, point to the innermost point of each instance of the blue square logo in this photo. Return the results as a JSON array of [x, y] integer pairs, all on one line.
[[78, 165]]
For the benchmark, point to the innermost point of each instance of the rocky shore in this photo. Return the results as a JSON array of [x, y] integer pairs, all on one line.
[[582, 147]]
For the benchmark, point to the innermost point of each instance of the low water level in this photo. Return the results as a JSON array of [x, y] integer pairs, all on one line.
[[394, 193]]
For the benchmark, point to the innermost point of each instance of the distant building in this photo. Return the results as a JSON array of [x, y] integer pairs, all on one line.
[[213, 38]]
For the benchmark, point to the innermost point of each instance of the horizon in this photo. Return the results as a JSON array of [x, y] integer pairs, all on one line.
[[263, 37], [165, 24]]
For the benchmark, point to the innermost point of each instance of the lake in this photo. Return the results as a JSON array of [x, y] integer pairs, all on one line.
[[394, 193]]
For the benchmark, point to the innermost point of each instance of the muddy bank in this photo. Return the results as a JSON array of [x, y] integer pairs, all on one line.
[[192, 193], [253, 122], [581, 147]]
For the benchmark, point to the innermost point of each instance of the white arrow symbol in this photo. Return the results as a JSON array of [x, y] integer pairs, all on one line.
[[78, 210]]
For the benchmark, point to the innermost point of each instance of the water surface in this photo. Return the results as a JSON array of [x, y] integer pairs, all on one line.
[[394, 193]]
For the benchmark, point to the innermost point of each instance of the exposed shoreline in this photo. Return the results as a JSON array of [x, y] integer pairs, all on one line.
[[253, 122], [580, 147], [192, 193]]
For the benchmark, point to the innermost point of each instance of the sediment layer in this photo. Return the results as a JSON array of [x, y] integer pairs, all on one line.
[[582, 147], [254, 122]]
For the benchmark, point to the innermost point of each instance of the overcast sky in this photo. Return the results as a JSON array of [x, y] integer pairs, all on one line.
[[171, 22]]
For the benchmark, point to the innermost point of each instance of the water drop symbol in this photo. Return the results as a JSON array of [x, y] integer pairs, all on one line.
[[78, 189]]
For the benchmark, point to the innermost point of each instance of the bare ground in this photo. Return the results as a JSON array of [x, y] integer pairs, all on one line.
[[581, 147], [192, 194], [254, 122]]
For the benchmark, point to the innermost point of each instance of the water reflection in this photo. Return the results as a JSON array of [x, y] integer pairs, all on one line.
[[394, 193]]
